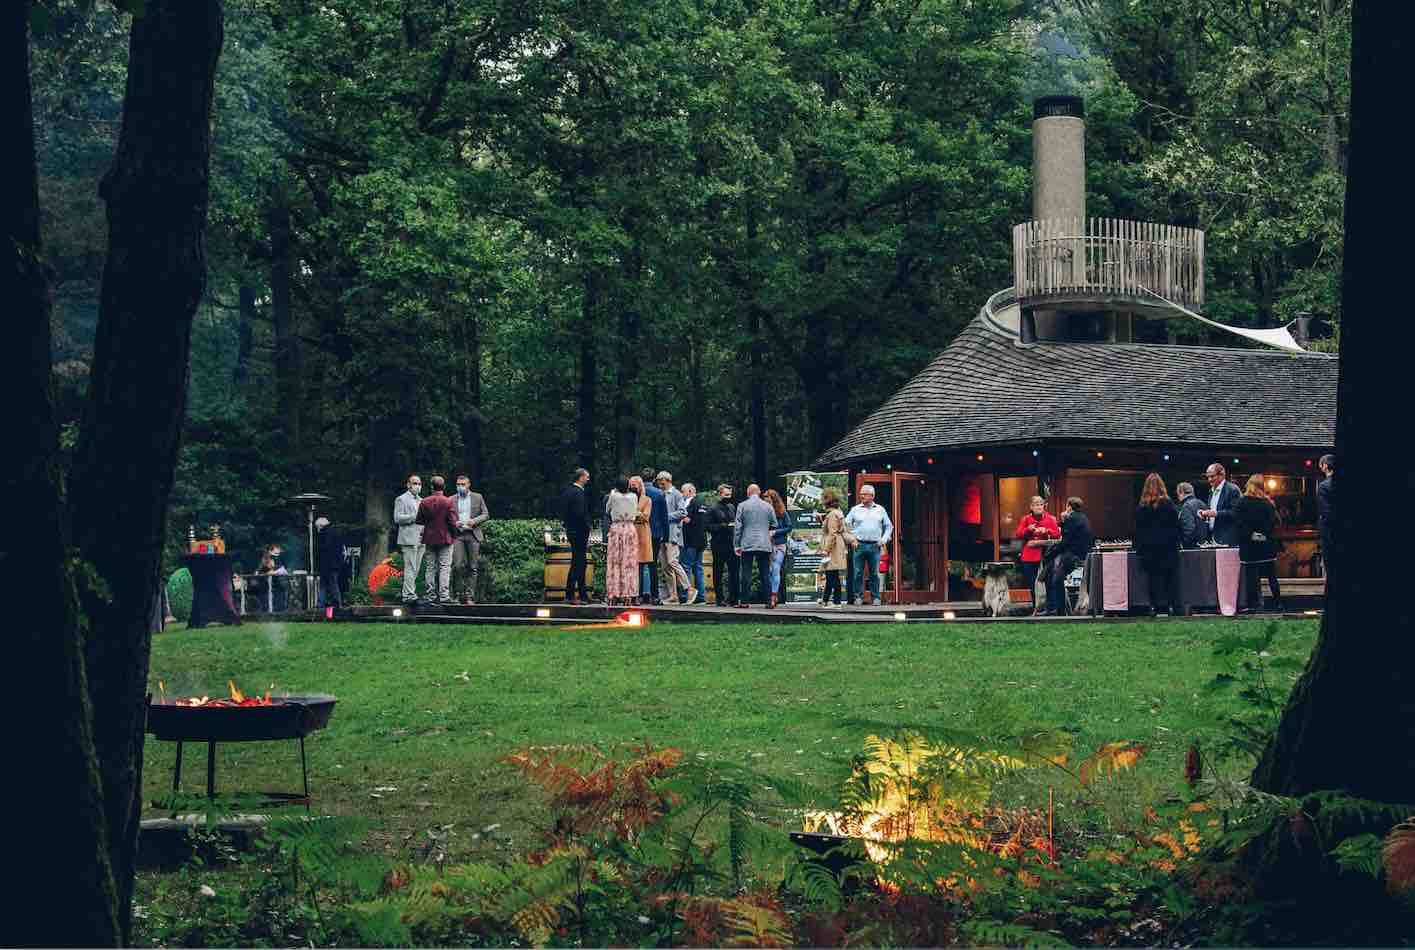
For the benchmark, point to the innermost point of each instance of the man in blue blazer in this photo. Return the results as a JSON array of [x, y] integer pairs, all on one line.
[[1223, 498]]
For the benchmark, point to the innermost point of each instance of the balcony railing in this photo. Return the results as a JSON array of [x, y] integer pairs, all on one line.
[[1100, 258]]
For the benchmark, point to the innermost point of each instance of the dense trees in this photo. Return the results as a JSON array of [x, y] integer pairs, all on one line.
[[704, 234]]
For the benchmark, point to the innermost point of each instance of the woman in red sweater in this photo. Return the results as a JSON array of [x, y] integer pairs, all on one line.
[[1037, 526]]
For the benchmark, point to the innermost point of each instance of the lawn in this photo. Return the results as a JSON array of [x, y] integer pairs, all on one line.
[[426, 712]]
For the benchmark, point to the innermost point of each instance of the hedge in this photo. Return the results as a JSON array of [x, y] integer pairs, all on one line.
[[179, 594]]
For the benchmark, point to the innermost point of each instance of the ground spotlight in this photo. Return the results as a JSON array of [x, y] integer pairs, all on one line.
[[632, 618], [949, 615], [397, 612], [543, 612], [900, 615]]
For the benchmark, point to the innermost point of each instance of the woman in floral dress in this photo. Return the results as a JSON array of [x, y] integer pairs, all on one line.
[[622, 562]]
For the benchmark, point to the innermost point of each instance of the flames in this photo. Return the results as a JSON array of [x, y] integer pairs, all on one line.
[[236, 698]]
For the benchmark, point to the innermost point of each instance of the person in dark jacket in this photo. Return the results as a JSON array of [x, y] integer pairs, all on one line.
[[1193, 528], [1327, 463], [330, 563], [1223, 496], [438, 515], [779, 536], [658, 529], [1076, 543], [1157, 543], [1256, 517], [575, 509], [721, 520], [694, 539]]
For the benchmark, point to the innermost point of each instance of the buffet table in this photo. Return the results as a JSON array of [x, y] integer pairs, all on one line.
[[1198, 586]]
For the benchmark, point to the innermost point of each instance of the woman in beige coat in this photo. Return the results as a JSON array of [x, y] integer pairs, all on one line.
[[641, 525], [833, 548]]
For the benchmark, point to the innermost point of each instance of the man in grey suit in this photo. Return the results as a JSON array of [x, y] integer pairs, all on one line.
[[1193, 529], [410, 536], [751, 539], [672, 578], [472, 513]]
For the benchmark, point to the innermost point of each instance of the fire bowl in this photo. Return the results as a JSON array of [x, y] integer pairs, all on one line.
[[289, 717]]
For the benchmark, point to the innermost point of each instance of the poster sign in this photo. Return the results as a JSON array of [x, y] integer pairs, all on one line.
[[805, 494]]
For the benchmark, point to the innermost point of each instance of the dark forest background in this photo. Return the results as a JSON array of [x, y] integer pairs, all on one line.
[[508, 238]]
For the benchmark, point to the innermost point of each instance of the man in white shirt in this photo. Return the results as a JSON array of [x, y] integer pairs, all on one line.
[[472, 513], [1223, 498], [870, 525], [410, 536]]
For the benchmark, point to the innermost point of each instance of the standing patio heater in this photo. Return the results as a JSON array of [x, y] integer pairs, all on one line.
[[310, 500]]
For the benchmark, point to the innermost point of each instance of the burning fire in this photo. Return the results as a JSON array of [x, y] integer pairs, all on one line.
[[237, 698]]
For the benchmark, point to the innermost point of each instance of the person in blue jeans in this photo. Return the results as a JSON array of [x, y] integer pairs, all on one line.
[[779, 534], [695, 539], [870, 525]]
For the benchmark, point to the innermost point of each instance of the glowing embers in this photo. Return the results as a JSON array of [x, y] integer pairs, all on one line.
[[236, 698]]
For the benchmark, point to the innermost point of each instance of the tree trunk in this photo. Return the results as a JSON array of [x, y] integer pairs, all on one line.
[[153, 279], [245, 335], [1350, 722], [378, 501], [290, 388], [585, 410], [47, 643], [757, 368], [471, 419], [626, 364]]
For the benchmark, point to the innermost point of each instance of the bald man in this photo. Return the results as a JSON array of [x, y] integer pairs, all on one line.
[[751, 540]]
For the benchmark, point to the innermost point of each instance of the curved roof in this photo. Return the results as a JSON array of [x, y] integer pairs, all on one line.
[[987, 388]]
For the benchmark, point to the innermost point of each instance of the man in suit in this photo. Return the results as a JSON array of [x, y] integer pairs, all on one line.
[[575, 512], [751, 540], [472, 513], [410, 536], [694, 540], [1223, 498], [672, 578], [1193, 529], [438, 516], [721, 518], [1327, 463]]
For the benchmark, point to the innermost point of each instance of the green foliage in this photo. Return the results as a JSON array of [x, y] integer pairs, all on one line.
[[179, 594], [1253, 671], [515, 552]]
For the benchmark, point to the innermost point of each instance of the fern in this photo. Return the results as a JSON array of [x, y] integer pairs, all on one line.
[[756, 926], [1361, 853], [992, 933]]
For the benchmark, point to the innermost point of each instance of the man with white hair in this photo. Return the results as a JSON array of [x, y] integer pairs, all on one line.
[[695, 540], [330, 562], [751, 539], [1193, 529], [870, 525], [671, 576]]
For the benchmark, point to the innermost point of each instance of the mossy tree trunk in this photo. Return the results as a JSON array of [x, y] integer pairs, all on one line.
[[153, 279], [1350, 722], [67, 856]]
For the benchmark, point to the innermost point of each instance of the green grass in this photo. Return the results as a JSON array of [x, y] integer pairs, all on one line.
[[789, 698]]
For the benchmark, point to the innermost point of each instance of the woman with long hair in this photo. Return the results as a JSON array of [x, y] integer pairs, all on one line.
[[1257, 545], [1157, 544], [643, 511], [832, 548], [778, 543], [621, 563]]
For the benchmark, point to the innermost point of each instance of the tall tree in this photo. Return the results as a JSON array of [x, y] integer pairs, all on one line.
[[49, 642], [153, 279], [1350, 722]]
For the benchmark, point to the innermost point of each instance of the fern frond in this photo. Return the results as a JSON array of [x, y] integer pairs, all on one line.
[[1111, 757], [756, 926], [1360, 853], [992, 933]]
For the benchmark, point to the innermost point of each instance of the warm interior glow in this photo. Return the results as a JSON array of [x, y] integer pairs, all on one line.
[[1272, 484]]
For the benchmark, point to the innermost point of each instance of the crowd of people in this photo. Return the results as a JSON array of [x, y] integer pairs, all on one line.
[[442, 532], [1246, 519]]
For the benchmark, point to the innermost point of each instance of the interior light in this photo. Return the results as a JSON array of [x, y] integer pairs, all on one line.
[[887, 467], [900, 615], [980, 456], [1235, 461], [931, 460], [1308, 463], [949, 615], [397, 612], [1272, 484], [1100, 455], [543, 612], [1035, 453], [1166, 457]]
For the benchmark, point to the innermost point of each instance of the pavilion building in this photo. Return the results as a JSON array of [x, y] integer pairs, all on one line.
[[1067, 383]]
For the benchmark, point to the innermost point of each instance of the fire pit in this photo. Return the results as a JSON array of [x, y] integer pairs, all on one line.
[[239, 718]]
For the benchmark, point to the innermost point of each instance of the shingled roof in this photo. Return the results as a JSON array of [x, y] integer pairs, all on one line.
[[987, 388]]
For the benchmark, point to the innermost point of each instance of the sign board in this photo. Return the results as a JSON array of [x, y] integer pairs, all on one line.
[[805, 492]]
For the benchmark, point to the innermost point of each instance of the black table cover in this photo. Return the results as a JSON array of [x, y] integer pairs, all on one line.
[[212, 598], [1198, 582]]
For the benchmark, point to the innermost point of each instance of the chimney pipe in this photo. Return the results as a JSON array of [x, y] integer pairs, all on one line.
[[1058, 158]]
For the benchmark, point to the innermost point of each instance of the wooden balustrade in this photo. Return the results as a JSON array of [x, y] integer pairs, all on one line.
[[1101, 258]]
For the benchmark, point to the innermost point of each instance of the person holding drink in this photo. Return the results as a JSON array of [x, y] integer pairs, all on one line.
[[1037, 527]]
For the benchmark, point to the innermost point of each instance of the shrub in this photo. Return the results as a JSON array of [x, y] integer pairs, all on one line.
[[514, 555], [179, 594]]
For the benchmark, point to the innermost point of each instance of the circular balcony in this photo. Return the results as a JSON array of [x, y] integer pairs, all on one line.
[[1064, 261]]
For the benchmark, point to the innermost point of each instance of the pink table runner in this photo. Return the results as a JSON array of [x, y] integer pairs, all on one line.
[[1228, 572], [1115, 572]]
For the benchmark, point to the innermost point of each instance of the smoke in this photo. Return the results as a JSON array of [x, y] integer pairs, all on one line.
[[276, 636]]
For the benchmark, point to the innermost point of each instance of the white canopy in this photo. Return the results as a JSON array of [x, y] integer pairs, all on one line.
[[1277, 337]]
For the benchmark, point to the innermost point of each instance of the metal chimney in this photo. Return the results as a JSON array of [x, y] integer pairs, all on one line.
[[1059, 158]]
